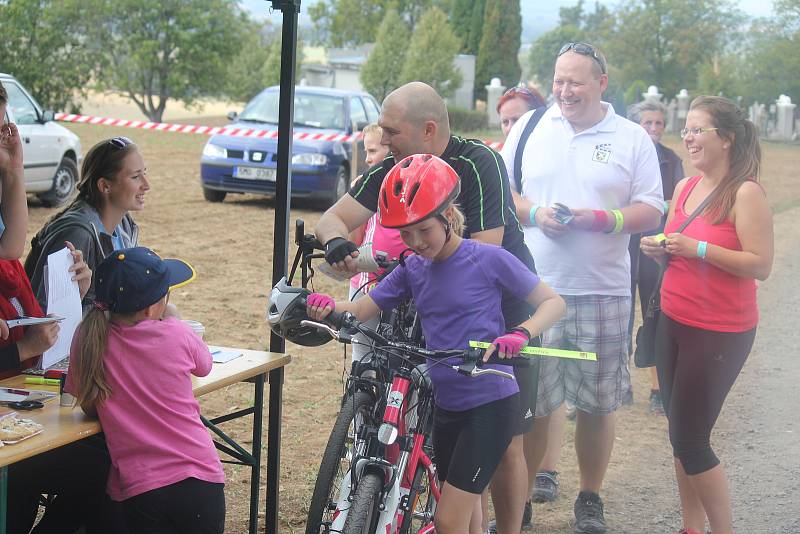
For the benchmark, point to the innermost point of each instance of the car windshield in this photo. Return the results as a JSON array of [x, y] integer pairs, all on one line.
[[314, 111]]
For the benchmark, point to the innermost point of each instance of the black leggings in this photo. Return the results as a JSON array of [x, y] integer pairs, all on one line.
[[191, 506], [696, 370]]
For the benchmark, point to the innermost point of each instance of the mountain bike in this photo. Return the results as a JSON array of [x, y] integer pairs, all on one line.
[[391, 485], [365, 392]]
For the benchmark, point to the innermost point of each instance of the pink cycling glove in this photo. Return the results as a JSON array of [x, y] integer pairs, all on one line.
[[321, 300], [510, 343]]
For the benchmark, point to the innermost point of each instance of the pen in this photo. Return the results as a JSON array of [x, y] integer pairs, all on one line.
[[42, 381]]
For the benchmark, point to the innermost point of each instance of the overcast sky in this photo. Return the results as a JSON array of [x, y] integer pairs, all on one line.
[[537, 16]]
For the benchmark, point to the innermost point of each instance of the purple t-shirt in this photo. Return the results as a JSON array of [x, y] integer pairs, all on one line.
[[458, 300]]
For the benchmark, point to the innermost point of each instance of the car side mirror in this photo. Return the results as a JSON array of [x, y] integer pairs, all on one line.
[[48, 115], [232, 115]]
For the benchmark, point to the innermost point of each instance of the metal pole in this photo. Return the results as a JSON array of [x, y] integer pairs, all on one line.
[[280, 253]]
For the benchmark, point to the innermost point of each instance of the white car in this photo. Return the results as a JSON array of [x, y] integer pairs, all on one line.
[[51, 153]]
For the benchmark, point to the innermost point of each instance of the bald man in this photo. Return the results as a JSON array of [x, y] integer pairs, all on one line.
[[414, 121]]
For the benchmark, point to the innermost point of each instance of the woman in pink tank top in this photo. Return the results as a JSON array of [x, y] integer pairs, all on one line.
[[708, 297]]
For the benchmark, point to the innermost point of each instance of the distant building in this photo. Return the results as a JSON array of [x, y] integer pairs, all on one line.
[[340, 68]]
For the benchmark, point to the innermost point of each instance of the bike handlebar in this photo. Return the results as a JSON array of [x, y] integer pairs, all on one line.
[[472, 358]]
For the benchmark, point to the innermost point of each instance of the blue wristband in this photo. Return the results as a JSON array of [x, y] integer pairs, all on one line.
[[532, 215], [702, 249]]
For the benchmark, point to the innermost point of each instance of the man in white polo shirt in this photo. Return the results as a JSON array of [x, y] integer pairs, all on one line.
[[604, 168]]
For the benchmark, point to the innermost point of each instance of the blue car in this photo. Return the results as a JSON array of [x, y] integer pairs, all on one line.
[[321, 169]]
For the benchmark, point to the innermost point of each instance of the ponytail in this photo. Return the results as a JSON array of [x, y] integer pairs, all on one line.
[[92, 340]]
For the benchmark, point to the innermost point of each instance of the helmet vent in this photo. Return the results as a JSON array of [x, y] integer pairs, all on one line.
[[385, 199], [406, 163], [413, 193], [397, 186]]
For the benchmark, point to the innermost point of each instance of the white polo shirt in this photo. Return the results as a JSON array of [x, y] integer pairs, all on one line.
[[608, 166]]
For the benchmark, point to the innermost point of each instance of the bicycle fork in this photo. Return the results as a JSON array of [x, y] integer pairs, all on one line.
[[398, 465]]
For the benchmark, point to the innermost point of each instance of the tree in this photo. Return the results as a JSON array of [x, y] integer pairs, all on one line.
[[497, 54], [430, 56], [770, 62], [342, 23], [381, 72], [157, 50], [256, 66], [43, 45], [671, 39], [347, 22], [466, 19], [476, 27]]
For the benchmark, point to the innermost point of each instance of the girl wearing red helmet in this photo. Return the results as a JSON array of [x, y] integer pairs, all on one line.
[[456, 285]]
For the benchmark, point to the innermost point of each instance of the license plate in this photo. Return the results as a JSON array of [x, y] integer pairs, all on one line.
[[254, 173]]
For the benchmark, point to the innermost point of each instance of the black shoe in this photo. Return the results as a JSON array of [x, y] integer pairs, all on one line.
[[589, 514], [545, 488], [527, 516], [656, 404]]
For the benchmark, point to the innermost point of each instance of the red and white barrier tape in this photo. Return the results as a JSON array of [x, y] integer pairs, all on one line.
[[213, 130]]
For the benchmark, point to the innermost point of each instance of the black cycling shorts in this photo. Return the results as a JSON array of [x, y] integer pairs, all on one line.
[[468, 445]]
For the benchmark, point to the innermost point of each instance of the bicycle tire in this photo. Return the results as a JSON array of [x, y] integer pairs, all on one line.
[[364, 510], [331, 469]]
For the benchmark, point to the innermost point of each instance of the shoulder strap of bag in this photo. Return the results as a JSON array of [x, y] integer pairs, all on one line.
[[523, 139], [697, 211]]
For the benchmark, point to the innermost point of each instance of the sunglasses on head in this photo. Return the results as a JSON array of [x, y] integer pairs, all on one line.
[[120, 142], [519, 90], [584, 50]]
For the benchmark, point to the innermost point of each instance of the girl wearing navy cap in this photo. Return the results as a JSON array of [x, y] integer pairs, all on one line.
[[131, 367]]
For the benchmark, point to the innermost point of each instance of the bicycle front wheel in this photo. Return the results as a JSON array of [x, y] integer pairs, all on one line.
[[365, 510], [421, 503], [342, 445]]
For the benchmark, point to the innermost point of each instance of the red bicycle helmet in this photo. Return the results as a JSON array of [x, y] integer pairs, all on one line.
[[418, 187]]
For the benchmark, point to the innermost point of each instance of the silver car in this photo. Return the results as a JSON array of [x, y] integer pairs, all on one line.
[[51, 153]]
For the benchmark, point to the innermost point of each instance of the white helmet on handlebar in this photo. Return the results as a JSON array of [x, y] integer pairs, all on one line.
[[287, 307]]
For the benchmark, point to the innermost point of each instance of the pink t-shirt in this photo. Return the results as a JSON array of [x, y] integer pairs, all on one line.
[[152, 420], [386, 240]]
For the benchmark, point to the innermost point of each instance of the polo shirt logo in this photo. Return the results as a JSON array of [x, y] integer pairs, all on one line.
[[602, 153]]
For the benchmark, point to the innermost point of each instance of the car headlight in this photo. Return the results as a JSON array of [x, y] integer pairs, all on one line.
[[214, 151], [310, 158]]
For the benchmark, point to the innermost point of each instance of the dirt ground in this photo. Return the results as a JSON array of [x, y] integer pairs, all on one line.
[[230, 245]]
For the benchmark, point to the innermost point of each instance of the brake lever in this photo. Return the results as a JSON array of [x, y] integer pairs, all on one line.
[[321, 326], [472, 370]]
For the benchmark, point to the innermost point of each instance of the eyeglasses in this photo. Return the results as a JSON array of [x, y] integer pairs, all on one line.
[[120, 142], [584, 50], [696, 131]]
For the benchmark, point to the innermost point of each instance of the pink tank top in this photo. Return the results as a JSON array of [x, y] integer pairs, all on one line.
[[698, 294]]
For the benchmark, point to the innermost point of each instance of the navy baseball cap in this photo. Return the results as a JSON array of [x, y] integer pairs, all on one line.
[[131, 279]]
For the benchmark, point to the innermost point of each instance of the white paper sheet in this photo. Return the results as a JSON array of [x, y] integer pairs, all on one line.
[[64, 300], [221, 355]]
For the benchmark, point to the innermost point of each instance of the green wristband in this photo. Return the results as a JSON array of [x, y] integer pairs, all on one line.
[[619, 221]]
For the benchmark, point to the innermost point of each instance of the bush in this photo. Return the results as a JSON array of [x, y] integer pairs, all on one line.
[[467, 120]]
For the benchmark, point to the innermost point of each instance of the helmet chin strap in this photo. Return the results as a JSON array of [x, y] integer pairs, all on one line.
[[446, 224]]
